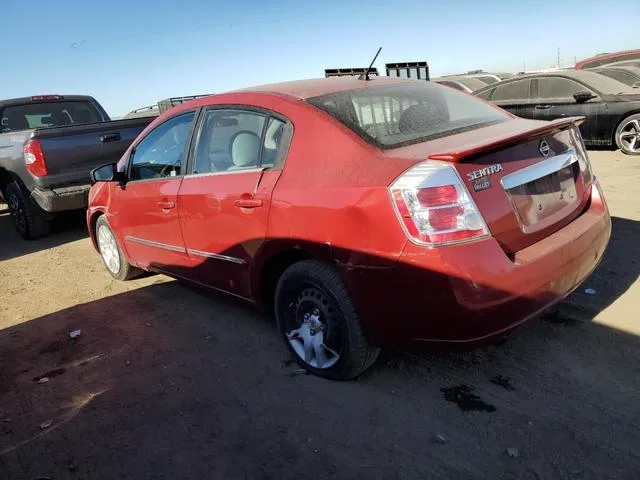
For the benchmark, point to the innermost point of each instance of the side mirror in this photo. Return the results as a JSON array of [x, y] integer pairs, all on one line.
[[584, 96], [107, 173], [635, 85]]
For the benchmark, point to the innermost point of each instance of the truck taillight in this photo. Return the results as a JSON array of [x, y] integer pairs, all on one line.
[[34, 158], [435, 207]]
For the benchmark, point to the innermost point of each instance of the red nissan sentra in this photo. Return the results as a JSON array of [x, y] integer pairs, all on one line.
[[362, 211]]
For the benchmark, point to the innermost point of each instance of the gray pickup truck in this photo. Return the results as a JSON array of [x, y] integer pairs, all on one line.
[[48, 146]]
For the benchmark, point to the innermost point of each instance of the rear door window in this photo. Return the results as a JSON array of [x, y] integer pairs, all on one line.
[[235, 140], [389, 116]]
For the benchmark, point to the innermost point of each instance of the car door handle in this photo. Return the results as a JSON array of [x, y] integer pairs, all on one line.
[[543, 107], [166, 205], [113, 137], [248, 203]]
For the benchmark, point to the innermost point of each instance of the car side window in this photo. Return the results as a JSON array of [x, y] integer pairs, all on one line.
[[486, 95], [229, 140], [627, 78], [161, 153], [516, 90], [274, 148], [558, 87]]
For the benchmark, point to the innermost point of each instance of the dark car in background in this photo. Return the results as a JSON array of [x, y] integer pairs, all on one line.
[[611, 108]]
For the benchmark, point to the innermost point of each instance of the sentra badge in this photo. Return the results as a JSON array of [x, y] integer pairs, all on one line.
[[484, 172]]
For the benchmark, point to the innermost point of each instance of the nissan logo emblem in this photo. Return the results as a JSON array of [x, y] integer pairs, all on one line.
[[544, 148]]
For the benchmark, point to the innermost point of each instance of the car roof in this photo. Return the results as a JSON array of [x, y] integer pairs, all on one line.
[[304, 89], [471, 82], [625, 68], [595, 80]]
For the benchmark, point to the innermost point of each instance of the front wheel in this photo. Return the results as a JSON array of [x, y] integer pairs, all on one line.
[[319, 323], [112, 256], [628, 135]]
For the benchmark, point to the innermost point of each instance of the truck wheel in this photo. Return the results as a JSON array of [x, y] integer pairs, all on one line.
[[319, 323], [628, 135], [30, 220], [112, 256]]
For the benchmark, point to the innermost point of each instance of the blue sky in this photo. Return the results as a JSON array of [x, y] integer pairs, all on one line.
[[131, 53]]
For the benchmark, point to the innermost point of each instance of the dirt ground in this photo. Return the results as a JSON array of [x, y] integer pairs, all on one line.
[[169, 381]]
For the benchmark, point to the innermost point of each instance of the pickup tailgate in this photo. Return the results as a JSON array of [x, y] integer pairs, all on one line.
[[71, 152], [527, 178]]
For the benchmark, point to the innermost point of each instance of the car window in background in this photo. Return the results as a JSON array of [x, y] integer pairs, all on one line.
[[229, 140], [394, 115], [516, 90], [623, 76], [48, 114], [486, 95], [160, 154], [558, 87]]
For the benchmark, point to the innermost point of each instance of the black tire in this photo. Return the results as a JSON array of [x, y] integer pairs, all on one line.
[[126, 271], [340, 319], [29, 219], [632, 122]]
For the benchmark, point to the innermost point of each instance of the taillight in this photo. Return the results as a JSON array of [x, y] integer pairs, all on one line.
[[583, 156], [34, 158], [434, 206]]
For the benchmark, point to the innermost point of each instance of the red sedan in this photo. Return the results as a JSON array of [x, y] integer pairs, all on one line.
[[362, 212]]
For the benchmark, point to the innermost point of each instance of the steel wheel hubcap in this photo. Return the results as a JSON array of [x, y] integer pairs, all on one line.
[[108, 249], [318, 327], [630, 136], [17, 212]]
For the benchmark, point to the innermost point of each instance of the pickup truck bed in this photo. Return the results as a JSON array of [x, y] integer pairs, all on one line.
[[69, 153]]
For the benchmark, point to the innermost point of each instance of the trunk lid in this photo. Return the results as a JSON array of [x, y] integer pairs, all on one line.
[[528, 179]]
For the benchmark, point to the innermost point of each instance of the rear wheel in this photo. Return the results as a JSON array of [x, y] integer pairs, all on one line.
[[112, 256], [29, 219], [319, 323], [628, 135]]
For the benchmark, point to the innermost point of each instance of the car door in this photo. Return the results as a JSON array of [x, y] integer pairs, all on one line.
[[514, 96], [224, 201], [555, 99], [144, 209]]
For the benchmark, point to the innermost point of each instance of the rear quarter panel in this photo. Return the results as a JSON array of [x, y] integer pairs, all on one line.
[[332, 193], [11, 155]]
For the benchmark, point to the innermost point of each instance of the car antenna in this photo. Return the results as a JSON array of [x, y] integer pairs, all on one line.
[[365, 75]]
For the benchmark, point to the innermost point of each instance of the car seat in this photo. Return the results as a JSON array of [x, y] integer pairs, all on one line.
[[245, 150]]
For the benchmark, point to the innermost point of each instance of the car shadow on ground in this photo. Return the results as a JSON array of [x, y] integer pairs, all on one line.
[[67, 227], [618, 270], [171, 378]]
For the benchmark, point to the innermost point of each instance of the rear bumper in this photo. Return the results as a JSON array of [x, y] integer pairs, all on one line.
[[471, 292], [62, 199]]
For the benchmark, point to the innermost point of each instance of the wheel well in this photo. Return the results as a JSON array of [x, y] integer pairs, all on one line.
[[271, 272], [5, 179], [93, 221]]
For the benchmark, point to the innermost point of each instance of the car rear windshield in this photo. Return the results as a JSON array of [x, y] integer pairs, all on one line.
[[48, 114], [390, 116]]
